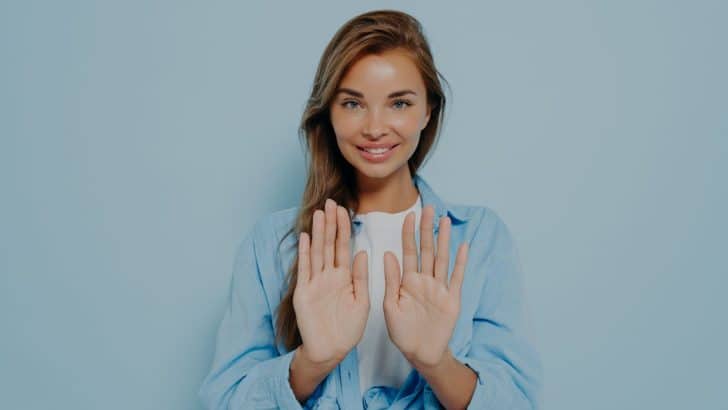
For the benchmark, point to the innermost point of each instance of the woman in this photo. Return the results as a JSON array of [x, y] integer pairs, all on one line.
[[310, 326]]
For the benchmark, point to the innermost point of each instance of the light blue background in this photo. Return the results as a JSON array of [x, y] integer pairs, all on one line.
[[140, 140]]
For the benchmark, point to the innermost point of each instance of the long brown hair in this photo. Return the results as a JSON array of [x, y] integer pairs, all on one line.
[[329, 174]]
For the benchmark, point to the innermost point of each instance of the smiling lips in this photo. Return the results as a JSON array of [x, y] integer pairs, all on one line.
[[377, 154]]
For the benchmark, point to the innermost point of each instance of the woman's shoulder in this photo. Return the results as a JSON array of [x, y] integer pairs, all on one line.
[[473, 216], [485, 228], [282, 218], [478, 216], [274, 225], [271, 244]]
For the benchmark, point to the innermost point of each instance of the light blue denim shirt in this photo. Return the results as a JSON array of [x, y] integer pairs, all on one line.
[[251, 371]]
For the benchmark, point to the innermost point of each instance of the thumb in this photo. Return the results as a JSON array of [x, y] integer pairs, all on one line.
[[392, 278], [360, 276]]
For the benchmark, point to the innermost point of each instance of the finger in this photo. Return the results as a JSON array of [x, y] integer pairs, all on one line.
[[330, 233], [392, 279], [343, 252], [360, 276], [456, 281], [409, 247], [427, 241], [442, 260], [317, 242], [304, 260]]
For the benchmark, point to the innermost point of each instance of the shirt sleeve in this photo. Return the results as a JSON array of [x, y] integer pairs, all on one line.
[[247, 371], [509, 372]]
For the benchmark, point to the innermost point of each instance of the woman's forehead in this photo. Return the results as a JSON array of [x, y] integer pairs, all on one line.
[[382, 74]]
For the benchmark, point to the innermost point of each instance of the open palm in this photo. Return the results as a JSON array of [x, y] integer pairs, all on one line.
[[421, 309], [331, 299]]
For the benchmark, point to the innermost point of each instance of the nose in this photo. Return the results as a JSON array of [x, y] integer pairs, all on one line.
[[375, 125]]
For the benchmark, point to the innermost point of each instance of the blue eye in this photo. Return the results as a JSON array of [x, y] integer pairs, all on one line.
[[345, 104], [405, 102]]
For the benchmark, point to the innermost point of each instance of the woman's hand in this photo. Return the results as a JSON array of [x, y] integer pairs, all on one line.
[[331, 298], [421, 310]]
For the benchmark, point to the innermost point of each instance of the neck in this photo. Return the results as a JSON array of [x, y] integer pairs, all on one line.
[[392, 194]]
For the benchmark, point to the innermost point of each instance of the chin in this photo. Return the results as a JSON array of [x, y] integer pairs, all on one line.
[[378, 171], [369, 172]]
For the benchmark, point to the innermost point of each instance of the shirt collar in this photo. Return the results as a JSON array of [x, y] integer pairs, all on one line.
[[429, 197]]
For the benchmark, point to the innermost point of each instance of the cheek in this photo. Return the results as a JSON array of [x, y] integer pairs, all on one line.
[[345, 132], [345, 126], [408, 124]]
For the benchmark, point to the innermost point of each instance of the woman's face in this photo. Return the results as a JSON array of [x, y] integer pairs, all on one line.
[[378, 112]]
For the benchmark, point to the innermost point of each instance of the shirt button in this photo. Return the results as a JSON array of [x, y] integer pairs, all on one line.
[[348, 374]]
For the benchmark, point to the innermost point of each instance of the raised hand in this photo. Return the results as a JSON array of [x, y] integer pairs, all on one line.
[[331, 298], [421, 309]]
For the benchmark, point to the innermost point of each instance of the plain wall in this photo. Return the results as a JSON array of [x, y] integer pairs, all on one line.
[[140, 140]]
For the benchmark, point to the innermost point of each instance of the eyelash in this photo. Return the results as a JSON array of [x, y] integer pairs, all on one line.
[[407, 103]]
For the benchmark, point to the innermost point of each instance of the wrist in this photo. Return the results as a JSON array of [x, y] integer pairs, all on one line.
[[427, 368], [305, 374], [327, 365]]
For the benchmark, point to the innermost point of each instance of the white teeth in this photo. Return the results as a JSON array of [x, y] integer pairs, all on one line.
[[377, 150]]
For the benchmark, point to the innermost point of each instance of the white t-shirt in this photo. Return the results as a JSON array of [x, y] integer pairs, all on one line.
[[380, 362]]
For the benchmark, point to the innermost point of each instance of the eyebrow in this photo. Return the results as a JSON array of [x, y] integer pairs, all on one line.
[[360, 95]]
